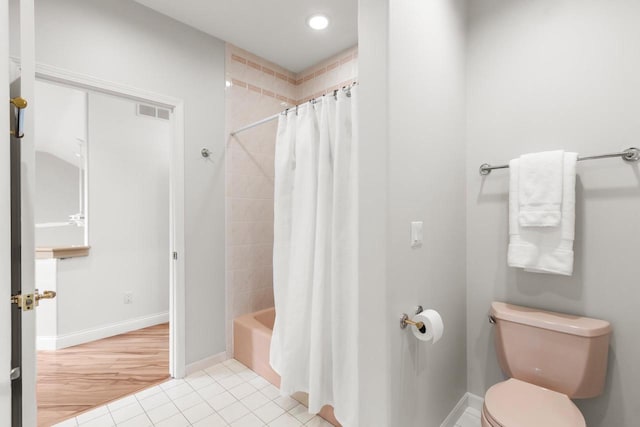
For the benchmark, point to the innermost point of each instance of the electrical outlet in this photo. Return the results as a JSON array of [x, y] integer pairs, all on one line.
[[128, 297]]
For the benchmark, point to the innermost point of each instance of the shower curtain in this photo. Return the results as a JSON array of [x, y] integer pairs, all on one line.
[[314, 347]]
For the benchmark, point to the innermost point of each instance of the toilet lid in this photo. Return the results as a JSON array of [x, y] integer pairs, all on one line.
[[515, 403]]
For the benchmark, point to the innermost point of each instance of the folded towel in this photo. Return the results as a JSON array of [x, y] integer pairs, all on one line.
[[543, 249], [540, 189]]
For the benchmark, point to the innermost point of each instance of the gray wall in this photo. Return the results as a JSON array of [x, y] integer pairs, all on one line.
[[424, 182], [128, 223], [374, 372], [412, 131], [124, 42], [552, 74]]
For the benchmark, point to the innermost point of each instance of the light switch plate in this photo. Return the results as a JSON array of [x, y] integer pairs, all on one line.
[[416, 234]]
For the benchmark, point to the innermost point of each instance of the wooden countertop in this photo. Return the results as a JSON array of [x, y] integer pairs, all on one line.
[[61, 252]]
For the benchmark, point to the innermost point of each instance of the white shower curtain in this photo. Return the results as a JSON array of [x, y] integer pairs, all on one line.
[[315, 255]]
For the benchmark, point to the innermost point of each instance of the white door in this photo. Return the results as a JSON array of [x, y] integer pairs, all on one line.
[[5, 223], [17, 26]]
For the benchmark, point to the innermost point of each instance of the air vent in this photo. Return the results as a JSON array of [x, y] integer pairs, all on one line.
[[156, 112], [163, 114], [146, 110]]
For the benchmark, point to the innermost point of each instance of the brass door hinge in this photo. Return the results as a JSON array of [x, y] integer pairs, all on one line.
[[20, 104], [24, 302]]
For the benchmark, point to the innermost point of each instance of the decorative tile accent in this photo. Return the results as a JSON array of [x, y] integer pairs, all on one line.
[[254, 65], [238, 58], [240, 83]]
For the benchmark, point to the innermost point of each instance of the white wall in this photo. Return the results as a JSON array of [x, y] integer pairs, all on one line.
[[128, 223], [421, 172], [375, 326], [542, 75], [57, 187], [47, 320], [124, 42]]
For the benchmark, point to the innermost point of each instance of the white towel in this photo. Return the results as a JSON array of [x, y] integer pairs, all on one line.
[[543, 249], [540, 189]]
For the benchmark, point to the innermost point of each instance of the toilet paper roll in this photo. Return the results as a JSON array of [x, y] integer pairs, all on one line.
[[433, 326]]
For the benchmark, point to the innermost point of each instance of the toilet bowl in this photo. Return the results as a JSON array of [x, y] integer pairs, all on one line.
[[550, 358]]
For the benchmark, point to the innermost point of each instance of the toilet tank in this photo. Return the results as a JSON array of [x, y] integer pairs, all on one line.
[[561, 352]]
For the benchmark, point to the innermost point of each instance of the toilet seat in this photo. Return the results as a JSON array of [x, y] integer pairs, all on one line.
[[515, 403]]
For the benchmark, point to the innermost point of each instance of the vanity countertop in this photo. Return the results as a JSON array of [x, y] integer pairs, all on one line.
[[61, 252]]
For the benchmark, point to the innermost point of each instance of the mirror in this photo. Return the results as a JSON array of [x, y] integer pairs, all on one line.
[[61, 166]]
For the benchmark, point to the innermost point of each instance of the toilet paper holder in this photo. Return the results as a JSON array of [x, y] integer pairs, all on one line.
[[405, 320]]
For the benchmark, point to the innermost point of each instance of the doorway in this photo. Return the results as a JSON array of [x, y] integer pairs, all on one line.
[[108, 156], [107, 241]]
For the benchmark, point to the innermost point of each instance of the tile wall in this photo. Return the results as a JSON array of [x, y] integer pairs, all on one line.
[[338, 71], [256, 89]]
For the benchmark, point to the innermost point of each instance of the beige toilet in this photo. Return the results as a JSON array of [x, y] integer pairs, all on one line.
[[550, 358]]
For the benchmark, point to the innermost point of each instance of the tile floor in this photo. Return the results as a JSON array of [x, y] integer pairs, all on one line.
[[470, 418], [226, 394]]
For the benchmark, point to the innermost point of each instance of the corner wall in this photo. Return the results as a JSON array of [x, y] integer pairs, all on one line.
[[427, 183], [412, 173], [543, 75]]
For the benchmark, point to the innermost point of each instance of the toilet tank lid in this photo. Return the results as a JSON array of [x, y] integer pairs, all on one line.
[[560, 322]]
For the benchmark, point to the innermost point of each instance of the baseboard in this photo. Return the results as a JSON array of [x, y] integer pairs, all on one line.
[[474, 402], [469, 400], [46, 343], [68, 340], [206, 362]]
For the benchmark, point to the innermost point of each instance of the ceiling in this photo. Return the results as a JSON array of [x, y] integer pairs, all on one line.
[[273, 29]]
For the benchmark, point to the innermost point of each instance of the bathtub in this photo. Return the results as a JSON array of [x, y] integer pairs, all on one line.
[[251, 342]]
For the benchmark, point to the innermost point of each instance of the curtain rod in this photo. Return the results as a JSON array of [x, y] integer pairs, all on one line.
[[630, 155], [347, 89]]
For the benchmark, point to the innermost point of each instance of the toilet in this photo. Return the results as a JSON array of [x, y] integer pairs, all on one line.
[[550, 358]]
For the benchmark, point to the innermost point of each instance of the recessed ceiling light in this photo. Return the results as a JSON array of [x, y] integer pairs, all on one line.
[[318, 22]]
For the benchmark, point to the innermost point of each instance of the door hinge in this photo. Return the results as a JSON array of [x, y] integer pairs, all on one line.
[[15, 373], [24, 302], [20, 104], [175, 255]]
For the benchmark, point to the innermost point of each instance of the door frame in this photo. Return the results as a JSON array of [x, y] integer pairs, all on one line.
[[5, 220], [177, 306]]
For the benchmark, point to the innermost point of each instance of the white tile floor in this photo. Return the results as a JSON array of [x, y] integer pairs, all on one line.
[[470, 418], [226, 394]]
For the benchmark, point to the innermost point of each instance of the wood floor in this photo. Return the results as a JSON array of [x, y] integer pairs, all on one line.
[[76, 379]]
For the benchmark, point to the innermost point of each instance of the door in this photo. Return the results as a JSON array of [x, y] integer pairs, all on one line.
[[5, 222], [17, 253], [15, 374]]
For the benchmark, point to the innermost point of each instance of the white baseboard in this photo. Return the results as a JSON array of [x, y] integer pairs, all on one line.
[[206, 362], [68, 340], [474, 402], [469, 400]]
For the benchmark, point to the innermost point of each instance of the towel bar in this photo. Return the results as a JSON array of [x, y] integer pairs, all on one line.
[[629, 155]]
